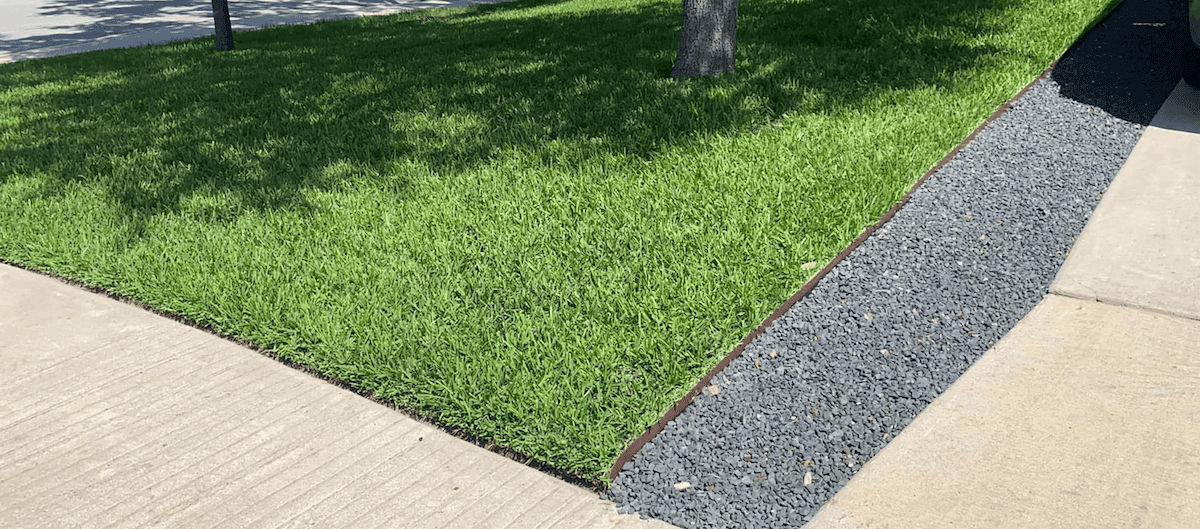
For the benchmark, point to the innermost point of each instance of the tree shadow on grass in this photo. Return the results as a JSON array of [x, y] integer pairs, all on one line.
[[308, 107], [303, 108]]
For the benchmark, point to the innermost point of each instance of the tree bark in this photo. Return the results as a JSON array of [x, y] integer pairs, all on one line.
[[708, 41], [224, 28]]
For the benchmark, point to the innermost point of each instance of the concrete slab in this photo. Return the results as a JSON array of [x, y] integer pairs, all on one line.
[[32, 29], [1141, 247], [1084, 415], [112, 416]]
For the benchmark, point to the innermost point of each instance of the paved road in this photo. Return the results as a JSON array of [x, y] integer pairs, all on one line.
[[32, 29]]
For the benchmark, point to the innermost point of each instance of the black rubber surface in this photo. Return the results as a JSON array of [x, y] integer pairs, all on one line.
[[897, 321]]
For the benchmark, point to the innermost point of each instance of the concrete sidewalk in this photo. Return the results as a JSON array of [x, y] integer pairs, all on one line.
[[112, 416], [1087, 413], [32, 29]]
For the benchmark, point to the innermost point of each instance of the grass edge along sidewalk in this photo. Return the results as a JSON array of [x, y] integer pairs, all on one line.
[[505, 218]]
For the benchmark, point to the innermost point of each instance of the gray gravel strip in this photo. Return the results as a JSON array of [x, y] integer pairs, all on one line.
[[907, 312]]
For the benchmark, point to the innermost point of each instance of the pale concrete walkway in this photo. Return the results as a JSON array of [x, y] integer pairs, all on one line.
[[31, 29], [112, 416], [1087, 413]]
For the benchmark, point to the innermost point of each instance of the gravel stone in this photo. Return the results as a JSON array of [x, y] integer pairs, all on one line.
[[850, 365]]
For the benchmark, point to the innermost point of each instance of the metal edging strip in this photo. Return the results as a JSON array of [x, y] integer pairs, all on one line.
[[636, 445]]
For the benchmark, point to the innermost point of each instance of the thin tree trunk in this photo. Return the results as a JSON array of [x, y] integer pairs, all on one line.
[[224, 28], [708, 41]]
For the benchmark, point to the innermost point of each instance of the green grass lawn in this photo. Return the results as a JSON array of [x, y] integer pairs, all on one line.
[[506, 217]]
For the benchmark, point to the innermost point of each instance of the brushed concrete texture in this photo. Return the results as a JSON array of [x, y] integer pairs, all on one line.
[[1141, 247], [33, 29], [112, 416], [1084, 415]]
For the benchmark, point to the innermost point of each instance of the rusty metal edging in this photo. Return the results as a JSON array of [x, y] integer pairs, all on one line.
[[674, 411]]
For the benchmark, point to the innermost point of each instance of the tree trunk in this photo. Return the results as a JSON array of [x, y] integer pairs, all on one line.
[[708, 41], [224, 28]]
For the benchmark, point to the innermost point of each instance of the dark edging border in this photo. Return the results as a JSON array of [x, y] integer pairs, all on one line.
[[636, 445], [650, 433]]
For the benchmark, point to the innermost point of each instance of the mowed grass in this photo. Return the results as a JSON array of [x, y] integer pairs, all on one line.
[[507, 218]]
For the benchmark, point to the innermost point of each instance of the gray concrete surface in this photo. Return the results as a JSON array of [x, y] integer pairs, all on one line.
[[1084, 415], [31, 29], [1140, 247], [112, 416], [1087, 413]]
